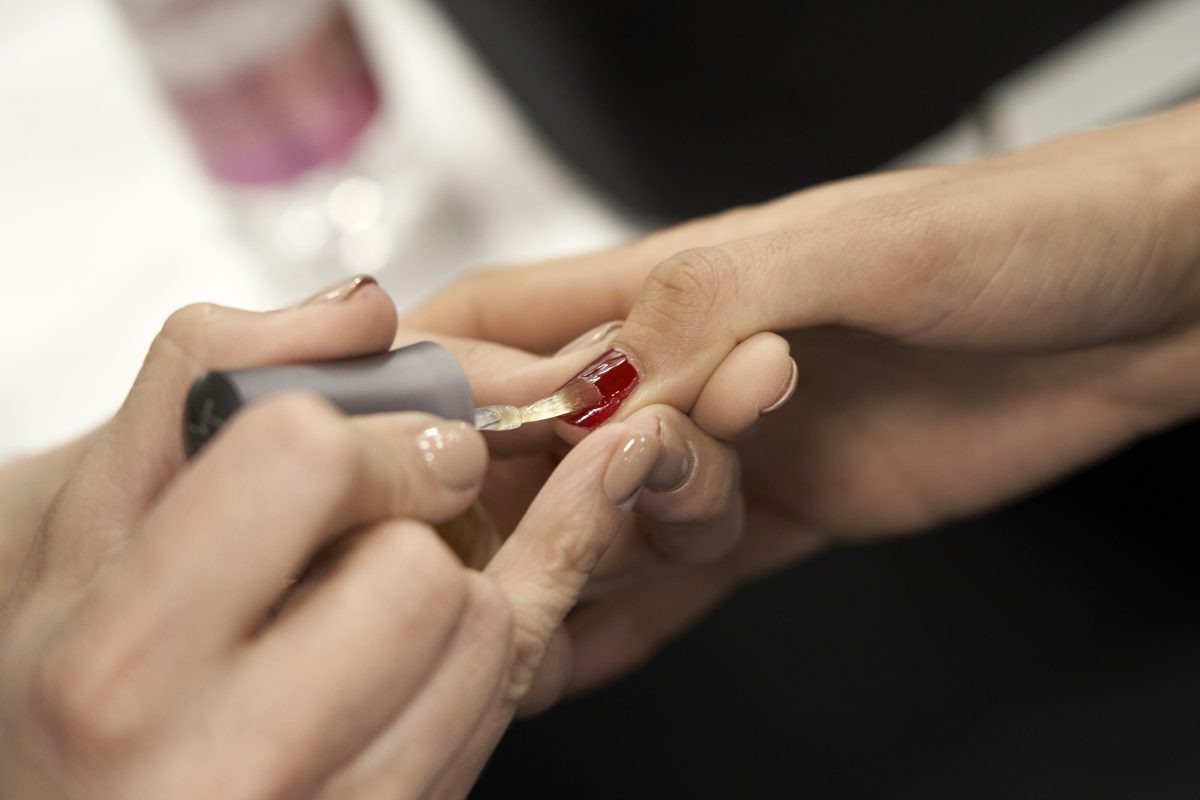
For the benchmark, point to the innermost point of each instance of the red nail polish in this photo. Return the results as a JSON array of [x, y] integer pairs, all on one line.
[[615, 378]]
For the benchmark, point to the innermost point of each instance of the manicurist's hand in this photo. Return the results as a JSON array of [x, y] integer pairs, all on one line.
[[962, 335], [278, 617]]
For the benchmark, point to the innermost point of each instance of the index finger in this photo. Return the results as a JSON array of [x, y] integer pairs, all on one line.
[[544, 565]]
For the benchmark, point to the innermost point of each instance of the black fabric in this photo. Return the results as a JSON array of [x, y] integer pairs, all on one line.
[[1051, 650], [680, 107]]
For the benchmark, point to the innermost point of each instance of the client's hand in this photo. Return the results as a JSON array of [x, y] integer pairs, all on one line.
[[962, 334], [278, 617]]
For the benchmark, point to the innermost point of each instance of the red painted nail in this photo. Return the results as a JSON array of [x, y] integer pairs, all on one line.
[[615, 378]]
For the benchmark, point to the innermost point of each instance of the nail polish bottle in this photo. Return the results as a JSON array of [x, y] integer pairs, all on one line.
[[285, 112]]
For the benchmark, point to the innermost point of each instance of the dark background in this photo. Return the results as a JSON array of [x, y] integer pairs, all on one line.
[[679, 107], [1048, 650]]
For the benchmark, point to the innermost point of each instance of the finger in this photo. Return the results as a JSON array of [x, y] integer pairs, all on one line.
[[692, 509], [357, 649], [505, 375], [697, 307], [543, 566], [568, 295], [285, 477], [545, 563], [572, 294], [756, 378], [144, 446], [430, 731], [941, 265]]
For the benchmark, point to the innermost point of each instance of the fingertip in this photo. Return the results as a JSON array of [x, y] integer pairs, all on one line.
[[629, 467], [757, 377], [788, 389], [358, 306]]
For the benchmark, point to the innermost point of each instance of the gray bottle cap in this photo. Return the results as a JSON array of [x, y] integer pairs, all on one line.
[[420, 377]]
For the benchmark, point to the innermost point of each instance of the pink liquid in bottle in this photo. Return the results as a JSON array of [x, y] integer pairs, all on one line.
[[281, 104]]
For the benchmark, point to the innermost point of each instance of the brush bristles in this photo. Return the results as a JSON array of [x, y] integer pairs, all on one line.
[[574, 396]]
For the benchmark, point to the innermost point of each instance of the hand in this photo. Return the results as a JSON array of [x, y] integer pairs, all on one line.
[[156, 642], [962, 335], [690, 512]]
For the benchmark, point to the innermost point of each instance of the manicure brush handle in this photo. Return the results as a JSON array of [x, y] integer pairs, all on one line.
[[420, 377]]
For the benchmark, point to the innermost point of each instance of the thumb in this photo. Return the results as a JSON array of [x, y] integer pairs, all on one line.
[[696, 307], [869, 266]]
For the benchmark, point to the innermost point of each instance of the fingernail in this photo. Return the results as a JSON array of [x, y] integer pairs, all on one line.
[[786, 393], [629, 467], [615, 377], [675, 460], [455, 453], [338, 291], [601, 334]]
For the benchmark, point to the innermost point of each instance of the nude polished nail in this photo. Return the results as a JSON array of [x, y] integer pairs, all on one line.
[[785, 394], [337, 292], [455, 453], [675, 460], [615, 378], [629, 467]]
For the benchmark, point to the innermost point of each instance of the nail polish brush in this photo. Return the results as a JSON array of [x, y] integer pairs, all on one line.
[[575, 395], [421, 377]]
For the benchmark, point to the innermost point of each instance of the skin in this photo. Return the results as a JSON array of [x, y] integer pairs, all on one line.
[[963, 335], [154, 641], [680, 518], [115, 700]]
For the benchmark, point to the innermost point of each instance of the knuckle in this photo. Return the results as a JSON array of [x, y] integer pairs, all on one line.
[[528, 650], [571, 557], [573, 554], [685, 288], [186, 328], [86, 709]]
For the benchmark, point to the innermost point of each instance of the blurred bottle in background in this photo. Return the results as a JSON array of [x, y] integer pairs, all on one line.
[[284, 110]]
